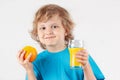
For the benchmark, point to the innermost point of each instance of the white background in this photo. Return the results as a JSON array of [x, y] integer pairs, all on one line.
[[97, 23]]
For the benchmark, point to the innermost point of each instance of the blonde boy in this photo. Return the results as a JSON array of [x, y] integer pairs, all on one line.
[[52, 29]]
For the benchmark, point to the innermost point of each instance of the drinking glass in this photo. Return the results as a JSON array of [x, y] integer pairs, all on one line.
[[75, 46]]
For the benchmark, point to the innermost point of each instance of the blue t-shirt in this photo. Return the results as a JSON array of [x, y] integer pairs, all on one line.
[[56, 66]]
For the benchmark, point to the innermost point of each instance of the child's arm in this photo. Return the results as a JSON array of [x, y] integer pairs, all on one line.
[[82, 57], [26, 64], [88, 73], [31, 75]]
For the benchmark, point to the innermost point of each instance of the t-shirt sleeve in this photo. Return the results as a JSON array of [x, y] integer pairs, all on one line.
[[96, 70]]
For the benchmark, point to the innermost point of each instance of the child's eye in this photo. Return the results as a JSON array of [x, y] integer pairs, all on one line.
[[53, 27], [42, 28]]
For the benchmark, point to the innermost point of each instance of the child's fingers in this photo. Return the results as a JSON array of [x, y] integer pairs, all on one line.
[[84, 51], [81, 57], [28, 57], [83, 62], [81, 53], [19, 54], [22, 56]]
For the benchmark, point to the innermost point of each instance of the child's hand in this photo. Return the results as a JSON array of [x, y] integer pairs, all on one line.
[[25, 63], [82, 57]]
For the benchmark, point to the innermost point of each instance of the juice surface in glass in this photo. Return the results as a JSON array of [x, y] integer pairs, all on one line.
[[73, 61]]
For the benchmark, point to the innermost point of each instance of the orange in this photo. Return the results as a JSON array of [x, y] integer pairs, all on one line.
[[30, 49]]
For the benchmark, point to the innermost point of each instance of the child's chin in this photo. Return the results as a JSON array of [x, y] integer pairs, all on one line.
[[50, 44]]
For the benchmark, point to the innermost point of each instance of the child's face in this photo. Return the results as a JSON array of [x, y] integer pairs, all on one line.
[[51, 32]]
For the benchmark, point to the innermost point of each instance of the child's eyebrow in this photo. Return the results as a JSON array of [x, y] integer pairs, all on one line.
[[54, 24], [42, 25]]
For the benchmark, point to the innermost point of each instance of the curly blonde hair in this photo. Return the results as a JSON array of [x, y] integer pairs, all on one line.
[[48, 11]]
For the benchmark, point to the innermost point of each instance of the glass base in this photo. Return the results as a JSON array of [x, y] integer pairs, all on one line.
[[75, 67]]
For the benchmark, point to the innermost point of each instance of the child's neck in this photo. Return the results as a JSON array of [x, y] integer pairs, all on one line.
[[55, 48]]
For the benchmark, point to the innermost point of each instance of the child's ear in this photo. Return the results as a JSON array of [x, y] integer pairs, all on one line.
[[65, 33]]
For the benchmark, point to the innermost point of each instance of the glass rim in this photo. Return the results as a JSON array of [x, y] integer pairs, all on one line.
[[79, 43]]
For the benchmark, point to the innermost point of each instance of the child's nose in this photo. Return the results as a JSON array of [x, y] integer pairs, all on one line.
[[48, 31]]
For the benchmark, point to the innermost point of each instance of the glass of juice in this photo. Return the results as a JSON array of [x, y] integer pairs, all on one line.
[[75, 46]]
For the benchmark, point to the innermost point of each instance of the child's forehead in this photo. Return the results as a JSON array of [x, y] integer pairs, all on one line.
[[50, 18]]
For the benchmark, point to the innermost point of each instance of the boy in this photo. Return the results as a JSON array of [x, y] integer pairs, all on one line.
[[52, 29]]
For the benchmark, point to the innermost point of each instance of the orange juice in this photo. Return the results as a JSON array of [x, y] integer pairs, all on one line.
[[73, 61]]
